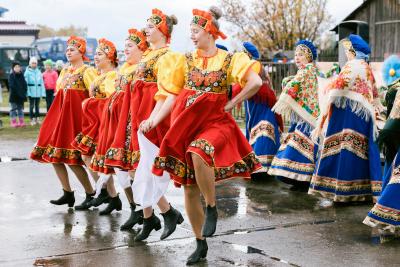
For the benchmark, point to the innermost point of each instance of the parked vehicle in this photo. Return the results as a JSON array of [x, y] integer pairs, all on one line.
[[54, 48], [10, 53]]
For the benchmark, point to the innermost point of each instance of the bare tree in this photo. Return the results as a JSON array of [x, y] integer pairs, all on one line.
[[276, 24], [46, 31]]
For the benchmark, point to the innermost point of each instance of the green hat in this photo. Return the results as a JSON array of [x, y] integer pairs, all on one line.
[[48, 62]]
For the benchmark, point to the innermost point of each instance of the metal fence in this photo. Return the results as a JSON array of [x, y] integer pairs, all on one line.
[[276, 71]]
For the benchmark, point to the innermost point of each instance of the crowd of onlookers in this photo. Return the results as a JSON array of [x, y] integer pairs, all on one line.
[[31, 85]]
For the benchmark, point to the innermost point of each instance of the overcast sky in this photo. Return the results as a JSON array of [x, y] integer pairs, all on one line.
[[111, 18]]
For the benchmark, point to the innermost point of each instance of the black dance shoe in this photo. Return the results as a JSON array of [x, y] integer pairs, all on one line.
[[135, 218], [171, 218], [66, 198], [199, 253], [149, 224], [114, 204]]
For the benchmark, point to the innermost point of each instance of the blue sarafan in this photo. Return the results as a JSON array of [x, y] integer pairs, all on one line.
[[391, 69], [386, 213]]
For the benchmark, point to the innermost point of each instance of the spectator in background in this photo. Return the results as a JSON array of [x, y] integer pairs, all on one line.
[[34, 80], [17, 98], [59, 66], [50, 77]]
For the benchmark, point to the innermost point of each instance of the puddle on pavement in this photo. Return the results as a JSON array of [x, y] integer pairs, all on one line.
[[253, 250]]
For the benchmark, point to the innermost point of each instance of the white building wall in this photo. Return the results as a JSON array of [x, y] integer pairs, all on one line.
[[16, 40]]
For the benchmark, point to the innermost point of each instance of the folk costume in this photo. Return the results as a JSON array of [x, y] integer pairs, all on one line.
[[349, 161], [92, 108], [64, 119], [199, 123], [386, 212], [295, 161], [263, 127]]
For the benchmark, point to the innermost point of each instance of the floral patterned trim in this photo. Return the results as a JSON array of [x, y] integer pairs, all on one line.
[[62, 153], [300, 142], [85, 143], [347, 139], [145, 70], [71, 81], [386, 212], [341, 186], [122, 155], [98, 164], [265, 160], [205, 80], [173, 165], [263, 128], [293, 165], [38, 151], [204, 145]]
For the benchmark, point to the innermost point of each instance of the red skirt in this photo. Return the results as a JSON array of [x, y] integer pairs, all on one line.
[[107, 132], [137, 106], [86, 140], [201, 126], [62, 123]]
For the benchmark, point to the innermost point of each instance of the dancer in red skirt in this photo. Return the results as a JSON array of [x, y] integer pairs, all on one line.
[[92, 108], [64, 121], [155, 76], [135, 45], [204, 143]]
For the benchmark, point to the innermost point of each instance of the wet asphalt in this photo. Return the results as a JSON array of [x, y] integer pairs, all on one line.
[[261, 223]]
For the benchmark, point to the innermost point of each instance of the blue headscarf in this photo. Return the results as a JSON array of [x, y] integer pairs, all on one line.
[[360, 46], [310, 46], [252, 50], [220, 46]]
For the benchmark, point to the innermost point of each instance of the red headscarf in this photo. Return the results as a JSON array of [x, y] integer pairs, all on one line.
[[159, 19], [80, 44], [108, 48], [139, 38], [204, 19]]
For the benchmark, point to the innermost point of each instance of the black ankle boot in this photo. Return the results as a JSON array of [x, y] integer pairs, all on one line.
[[103, 197], [136, 217], [87, 203], [67, 198], [210, 222], [114, 204], [149, 224], [199, 253], [171, 218]]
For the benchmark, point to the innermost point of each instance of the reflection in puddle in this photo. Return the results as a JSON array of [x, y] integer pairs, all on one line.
[[253, 250], [9, 159], [379, 236]]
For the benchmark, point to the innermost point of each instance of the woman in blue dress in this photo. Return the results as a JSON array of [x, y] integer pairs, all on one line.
[[386, 213], [263, 127], [295, 161], [348, 167]]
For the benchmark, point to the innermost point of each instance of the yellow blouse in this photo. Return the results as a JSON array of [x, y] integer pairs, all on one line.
[[104, 85], [71, 78], [127, 69], [175, 69]]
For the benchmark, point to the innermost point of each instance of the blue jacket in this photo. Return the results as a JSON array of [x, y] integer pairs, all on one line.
[[34, 81]]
